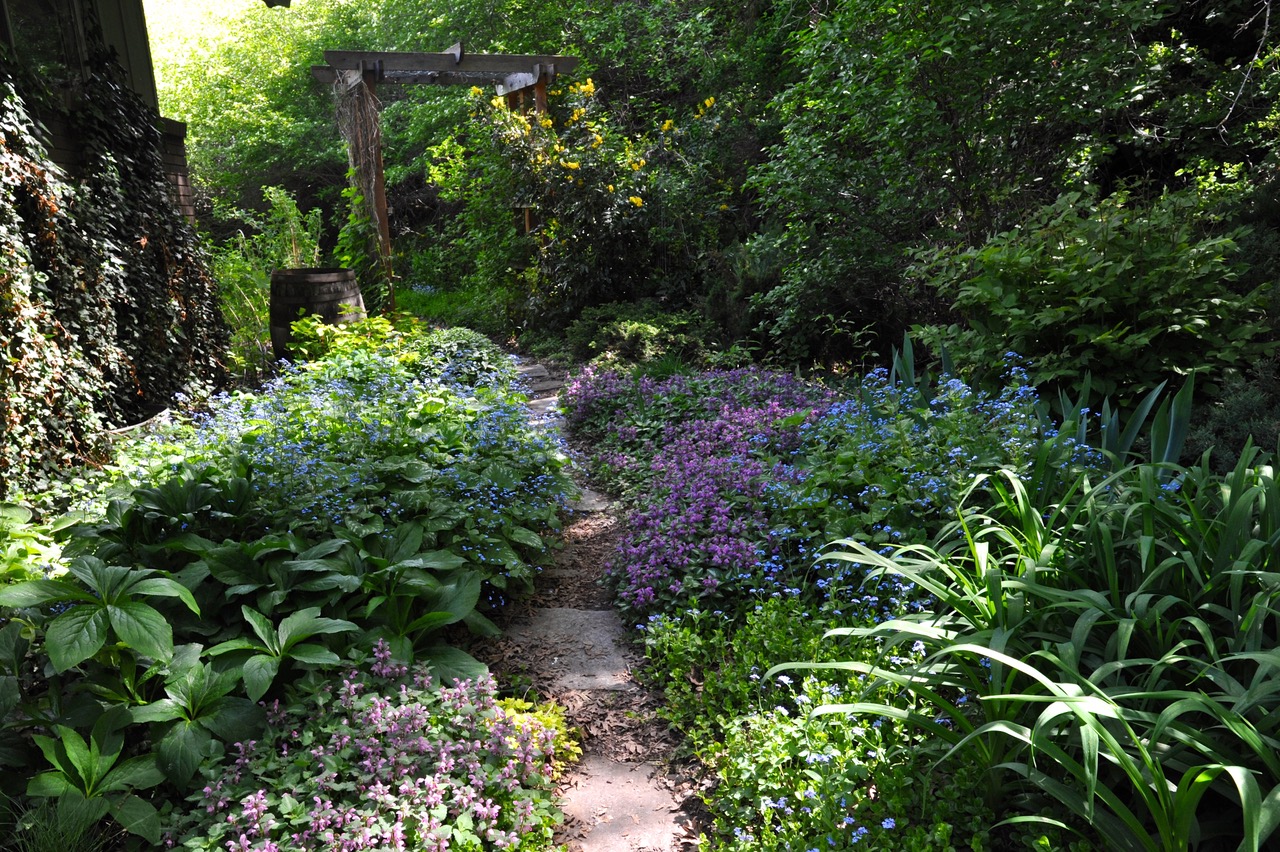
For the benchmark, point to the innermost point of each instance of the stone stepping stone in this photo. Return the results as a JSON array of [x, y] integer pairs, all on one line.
[[545, 386], [591, 501], [532, 372], [579, 649], [622, 808]]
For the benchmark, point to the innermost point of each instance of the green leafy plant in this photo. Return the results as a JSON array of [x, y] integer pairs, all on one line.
[[261, 660], [1096, 648], [197, 706], [27, 550], [93, 769], [636, 333], [1130, 293], [107, 601], [413, 594]]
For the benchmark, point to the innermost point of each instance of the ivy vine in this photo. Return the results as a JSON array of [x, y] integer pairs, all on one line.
[[107, 307]]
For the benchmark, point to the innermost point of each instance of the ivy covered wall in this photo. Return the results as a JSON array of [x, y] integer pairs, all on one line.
[[107, 309]]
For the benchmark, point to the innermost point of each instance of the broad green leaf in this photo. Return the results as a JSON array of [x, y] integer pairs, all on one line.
[[40, 592], [164, 587], [138, 816], [259, 672], [10, 694], [48, 784], [429, 621], [306, 623], [451, 664], [527, 537], [264, 628], [321, 550], [235, 719], [142, 628], [480, 625], [136, 773], [76, 635], [180, 751], [316, 655], [77, 759], [107, 580], [436, 560], [161, 710], [406, 541], [460, 597], [234, 645]]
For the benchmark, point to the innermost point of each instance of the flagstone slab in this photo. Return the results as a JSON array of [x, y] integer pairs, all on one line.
[[622, 808], [578, 649]]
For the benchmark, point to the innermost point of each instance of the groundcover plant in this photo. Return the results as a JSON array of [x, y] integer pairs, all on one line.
[[383, 757], [735, 483], [267, 600]]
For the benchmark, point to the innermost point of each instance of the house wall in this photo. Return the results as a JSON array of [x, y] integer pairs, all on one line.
[[125, 28], [51, 33]]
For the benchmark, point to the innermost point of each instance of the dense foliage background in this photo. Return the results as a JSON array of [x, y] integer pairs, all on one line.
[[815, 177]]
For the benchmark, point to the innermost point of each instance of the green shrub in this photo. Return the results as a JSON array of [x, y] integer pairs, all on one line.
[[637, 333], [281, 238], [1130, 294], [1247, 407]]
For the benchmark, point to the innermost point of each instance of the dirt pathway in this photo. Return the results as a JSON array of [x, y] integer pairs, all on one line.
[[568, 645]]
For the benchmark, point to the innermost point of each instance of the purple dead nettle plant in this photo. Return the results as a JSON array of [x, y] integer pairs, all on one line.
[[386, 758], [701, 532]]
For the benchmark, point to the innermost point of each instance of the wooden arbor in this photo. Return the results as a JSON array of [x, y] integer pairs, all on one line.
[[522, 79]]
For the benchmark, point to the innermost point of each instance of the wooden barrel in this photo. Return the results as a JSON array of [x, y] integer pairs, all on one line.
[[301, 292]]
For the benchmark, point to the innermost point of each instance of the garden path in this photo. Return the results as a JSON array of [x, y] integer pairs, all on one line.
[[568, 644]]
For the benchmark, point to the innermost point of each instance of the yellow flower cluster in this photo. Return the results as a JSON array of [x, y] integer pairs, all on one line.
[[637, 165], [668, 126], [546, 122], [569, 164], [636, 200], [588, 88]]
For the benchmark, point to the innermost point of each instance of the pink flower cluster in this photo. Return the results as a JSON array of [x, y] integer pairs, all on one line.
[[389, 760]]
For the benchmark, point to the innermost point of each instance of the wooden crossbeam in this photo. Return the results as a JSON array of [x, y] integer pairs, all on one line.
[[329, 74], [498, 64]]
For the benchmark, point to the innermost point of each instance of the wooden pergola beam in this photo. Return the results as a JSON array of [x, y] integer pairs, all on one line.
[[495, 66], [513, 75]]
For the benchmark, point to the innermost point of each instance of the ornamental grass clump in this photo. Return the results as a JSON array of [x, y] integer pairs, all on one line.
[[383, 757], [1107, 657]]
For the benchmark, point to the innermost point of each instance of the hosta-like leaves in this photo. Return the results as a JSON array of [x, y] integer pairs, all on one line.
[[76, 635], [259, 672]]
